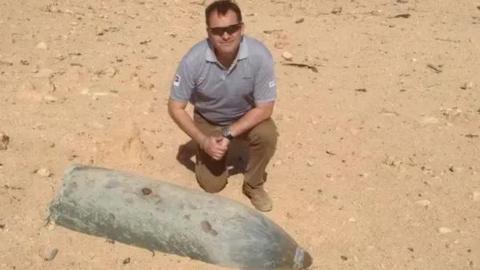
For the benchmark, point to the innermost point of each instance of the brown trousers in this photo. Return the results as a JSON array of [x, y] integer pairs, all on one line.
[[212, 174]]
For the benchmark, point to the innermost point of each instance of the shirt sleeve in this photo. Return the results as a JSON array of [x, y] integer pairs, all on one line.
[[183, 83], [265, 84]]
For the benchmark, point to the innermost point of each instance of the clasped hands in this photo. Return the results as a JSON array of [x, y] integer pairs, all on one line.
[[215, 146]]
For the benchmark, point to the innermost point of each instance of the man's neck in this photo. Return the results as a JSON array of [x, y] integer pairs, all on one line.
[[226, 60]]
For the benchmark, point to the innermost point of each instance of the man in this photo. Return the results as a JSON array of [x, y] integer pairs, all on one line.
[[229, 79]]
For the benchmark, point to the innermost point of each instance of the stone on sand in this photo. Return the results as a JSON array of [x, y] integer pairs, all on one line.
[[287, 56], [4, 141]]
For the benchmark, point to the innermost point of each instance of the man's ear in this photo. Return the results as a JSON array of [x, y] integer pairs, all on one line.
[[243, 29]]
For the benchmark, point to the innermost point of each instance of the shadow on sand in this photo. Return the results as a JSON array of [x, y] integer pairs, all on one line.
[[237, 156]]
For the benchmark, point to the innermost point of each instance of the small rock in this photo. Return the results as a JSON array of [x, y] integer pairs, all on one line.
[[51, 255], [287, 56], [336, 10], [42, 46], [111, 72], [44, 172], [429, 120], [43, 73], [277, 163], [51, 225], [352, 220], [343, 257], [172, 34], [50, 99], [146, 191], [85, 91], [444, 230], [466, 86], [403, 15], [476, 196], [301, 20], [310, 163], [280, 44], [4, 141], [424, 203], [363, 175], [126, 261]]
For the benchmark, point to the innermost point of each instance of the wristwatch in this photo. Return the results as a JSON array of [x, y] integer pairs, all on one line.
[[226, 133]]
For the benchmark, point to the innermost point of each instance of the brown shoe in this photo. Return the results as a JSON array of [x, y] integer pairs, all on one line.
[[258, 197]]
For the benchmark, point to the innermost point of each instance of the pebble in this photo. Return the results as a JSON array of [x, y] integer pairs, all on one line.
[[111, 72], [4, 141], [287, 56], [52, 255], [429, 120], [301, 20], [85, 91], [337, 10], [44, 172], [466, 86], [444, 230], [476, 196], [42, 46], [280, 44], [43, 73], [424, 203], [51, 225], [310, 163], [50, 99], [277, 163]]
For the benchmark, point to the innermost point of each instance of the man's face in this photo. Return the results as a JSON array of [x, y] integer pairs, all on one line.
[[225, 32]]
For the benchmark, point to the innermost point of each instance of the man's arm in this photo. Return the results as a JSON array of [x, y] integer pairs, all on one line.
[[260, 113], [211, 144], [176, 109]]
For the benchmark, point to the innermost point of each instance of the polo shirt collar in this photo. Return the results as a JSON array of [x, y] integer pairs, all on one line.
[[242, 51]]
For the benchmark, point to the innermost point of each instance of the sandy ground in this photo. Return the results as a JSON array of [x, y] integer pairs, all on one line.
[[377, 165]]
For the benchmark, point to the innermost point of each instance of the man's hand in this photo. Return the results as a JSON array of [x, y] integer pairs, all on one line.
[[215, 146]]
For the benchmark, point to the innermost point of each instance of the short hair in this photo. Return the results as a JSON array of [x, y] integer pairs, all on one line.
[[222, 7]]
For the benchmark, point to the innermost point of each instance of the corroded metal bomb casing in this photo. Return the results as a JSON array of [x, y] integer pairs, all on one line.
[[161, 216]]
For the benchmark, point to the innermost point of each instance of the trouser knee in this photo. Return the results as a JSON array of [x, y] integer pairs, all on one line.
[[264, 136], [211, 185]]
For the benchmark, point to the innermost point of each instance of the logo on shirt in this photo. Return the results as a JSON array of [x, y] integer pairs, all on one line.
[[177, 80], [271, 84]]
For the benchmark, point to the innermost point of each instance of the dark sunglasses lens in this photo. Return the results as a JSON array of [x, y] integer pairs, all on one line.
[[232, 29], [219, 31]]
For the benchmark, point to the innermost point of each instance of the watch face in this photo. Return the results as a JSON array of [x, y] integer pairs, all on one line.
[[225, 131]]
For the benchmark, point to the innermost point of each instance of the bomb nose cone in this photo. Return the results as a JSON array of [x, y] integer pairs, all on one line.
[[307, 260], [302, 259]]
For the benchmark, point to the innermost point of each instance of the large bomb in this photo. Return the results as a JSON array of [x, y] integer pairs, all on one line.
[[164, 217]]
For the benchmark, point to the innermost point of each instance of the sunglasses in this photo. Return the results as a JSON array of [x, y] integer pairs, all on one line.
[[231, 29]]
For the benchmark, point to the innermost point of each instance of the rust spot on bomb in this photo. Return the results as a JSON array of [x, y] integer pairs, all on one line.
[[146, 191], [207, 227]]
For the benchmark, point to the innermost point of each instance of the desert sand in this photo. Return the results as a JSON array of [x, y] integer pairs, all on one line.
[[378, 110]]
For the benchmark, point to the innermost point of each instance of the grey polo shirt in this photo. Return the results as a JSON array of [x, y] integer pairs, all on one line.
[[224, 95]]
